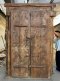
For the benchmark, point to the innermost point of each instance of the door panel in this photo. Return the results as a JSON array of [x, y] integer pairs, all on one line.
[[40, 45], [35, 72], [21, 18], [24, 16], [20, 49], [35, 19], [21, 72]]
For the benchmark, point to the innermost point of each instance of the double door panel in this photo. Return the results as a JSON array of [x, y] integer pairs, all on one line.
[[30, 43]]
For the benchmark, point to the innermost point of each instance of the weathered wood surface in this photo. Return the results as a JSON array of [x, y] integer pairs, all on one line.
[[31, 38], [30, 4]]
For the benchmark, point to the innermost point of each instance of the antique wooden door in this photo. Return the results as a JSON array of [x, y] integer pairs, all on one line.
[[31, 36], [30, 40]]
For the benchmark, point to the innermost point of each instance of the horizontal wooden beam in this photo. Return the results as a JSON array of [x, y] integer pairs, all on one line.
[[29, 5]]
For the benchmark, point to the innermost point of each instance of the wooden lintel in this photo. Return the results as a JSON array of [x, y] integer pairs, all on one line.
[[29, 5]]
